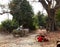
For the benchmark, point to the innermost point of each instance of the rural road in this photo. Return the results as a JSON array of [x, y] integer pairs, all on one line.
[[10, 41]]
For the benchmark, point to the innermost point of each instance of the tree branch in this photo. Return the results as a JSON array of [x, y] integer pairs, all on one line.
[[43, 2], [49, 2], [57, 4], [4, 13]]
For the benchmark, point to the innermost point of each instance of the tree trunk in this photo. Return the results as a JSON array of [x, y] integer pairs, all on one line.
[[51, 25]]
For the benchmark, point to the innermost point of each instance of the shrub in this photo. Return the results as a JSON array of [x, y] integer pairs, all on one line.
[[0, 27], [9, 25]]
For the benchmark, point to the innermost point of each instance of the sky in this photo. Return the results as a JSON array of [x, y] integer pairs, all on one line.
[[36, 6]]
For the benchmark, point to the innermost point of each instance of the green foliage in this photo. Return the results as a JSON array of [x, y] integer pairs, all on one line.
[[0, 27], [15, 10], [41, 19], [22, 12], [58, 18], [35, 22], [9, 25], [26, 14], [58, 15]]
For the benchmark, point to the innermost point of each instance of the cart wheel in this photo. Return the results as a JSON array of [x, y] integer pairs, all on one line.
[[36, 38], [58, 43]]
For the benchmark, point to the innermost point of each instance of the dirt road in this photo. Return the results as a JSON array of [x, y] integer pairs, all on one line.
[[10, 41], [29, 41]]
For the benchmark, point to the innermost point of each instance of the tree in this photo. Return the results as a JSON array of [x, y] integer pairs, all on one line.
[[40, 18], [35, 22], [50, 9], [22, 12], [15, 10], [26, 13]]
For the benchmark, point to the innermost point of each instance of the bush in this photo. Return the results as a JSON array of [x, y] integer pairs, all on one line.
[[57, 18], [35, 22], [0, 27], [9, 25]]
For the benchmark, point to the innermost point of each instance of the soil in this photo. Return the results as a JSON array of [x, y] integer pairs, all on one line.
[[7, 40]]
